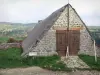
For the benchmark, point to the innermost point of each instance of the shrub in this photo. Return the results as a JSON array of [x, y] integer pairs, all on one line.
[[11, 40]]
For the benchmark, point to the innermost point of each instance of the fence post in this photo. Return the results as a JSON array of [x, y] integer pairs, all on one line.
[[95, 52]]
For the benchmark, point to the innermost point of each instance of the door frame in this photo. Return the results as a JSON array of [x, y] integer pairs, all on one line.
[[68, 41]]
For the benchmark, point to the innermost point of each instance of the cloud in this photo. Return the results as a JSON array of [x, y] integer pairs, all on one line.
[[33, 10], [91, 19]]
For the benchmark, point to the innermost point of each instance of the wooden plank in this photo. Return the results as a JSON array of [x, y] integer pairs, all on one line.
[[74, 42], [61, 42]]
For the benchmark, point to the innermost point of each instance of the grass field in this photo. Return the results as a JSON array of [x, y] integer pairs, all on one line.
[[3, 39], [90, 61], [11, 58]]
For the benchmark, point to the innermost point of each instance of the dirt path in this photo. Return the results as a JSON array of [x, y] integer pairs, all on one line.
[[40, 71]]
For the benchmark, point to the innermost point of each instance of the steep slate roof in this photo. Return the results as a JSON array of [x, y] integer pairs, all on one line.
[[39, 30]]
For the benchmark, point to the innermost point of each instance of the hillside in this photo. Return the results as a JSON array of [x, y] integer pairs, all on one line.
[[94, 28], [15, 29], [8, 30], [20, 29], [95, 32]]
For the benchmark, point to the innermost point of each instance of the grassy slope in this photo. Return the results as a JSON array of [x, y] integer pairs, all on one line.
[[11, 58], [90, 61]]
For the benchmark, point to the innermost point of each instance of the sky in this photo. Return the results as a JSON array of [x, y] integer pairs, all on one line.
[[30, 11]]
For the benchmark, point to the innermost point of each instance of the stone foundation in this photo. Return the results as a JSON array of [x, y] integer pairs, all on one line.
[[9, 45]]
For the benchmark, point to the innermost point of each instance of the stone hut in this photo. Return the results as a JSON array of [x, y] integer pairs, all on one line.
[[63, 33]]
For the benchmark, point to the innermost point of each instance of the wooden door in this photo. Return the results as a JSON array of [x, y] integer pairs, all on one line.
[[61, 42], [74, 42], [66, 38]]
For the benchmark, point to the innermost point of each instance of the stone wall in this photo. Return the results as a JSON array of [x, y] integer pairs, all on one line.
[[47, 45], [9, 45], [87, 44], [62, 20]]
